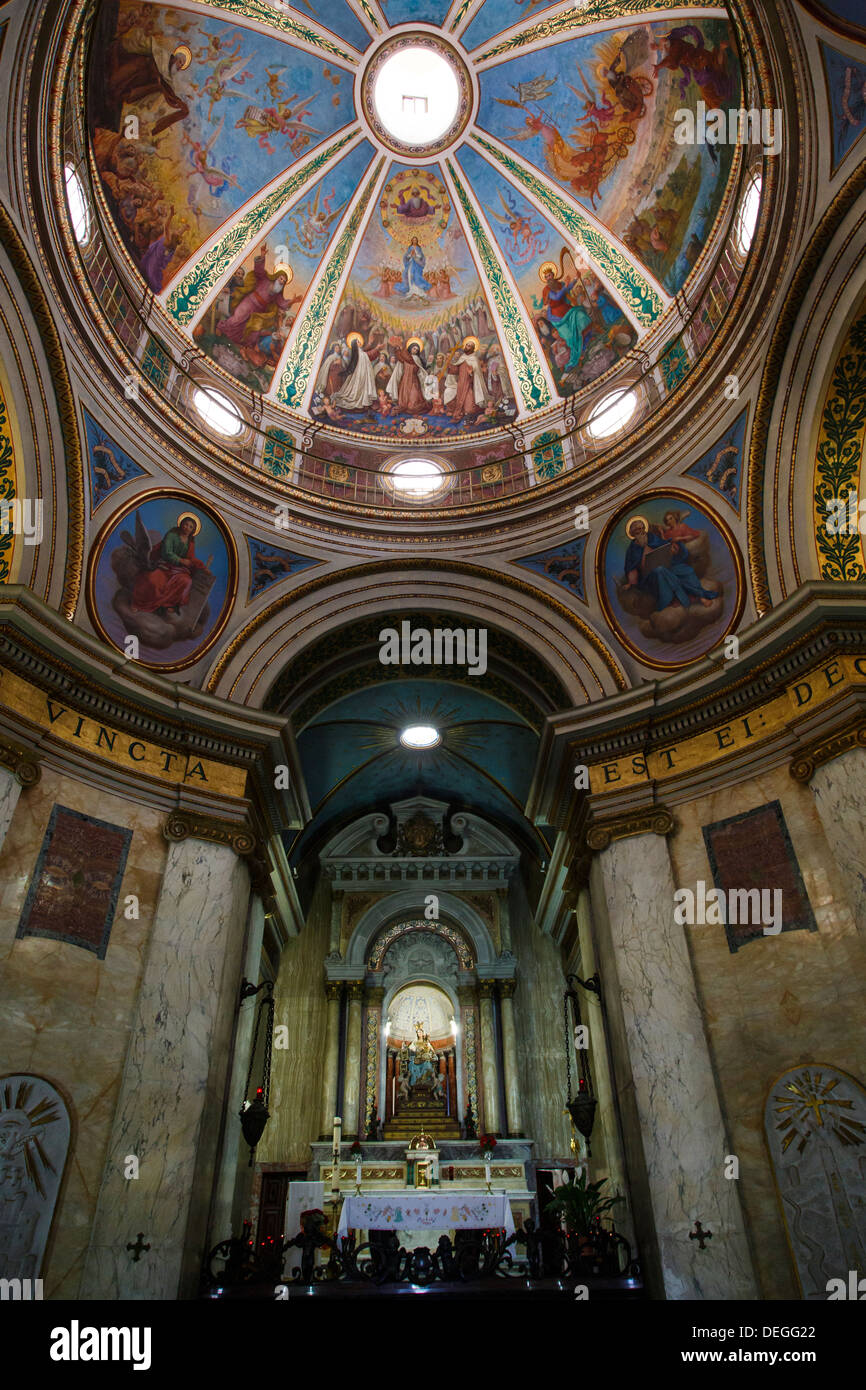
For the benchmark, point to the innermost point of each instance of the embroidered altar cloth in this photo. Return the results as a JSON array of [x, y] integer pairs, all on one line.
[[426, 1211]]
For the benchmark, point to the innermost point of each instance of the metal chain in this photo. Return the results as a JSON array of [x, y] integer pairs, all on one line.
[[266, 1079], [567, 1048]]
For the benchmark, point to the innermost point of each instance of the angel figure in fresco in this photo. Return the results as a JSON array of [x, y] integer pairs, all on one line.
[[314, 219], [230, 68], [525, 235], [215, 179], [259, 309], [283, 118], [163, 586]]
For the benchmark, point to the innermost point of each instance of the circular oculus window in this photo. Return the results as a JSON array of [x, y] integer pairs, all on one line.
[[416, 94]]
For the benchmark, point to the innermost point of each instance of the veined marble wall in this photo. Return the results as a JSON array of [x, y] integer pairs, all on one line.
[[540, 1032], [66, 1015], [296, 1073], [777, 1002]]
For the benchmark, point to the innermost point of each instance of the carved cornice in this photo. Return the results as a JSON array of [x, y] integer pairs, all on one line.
[[190, 825], [654, 820], [20, 763], [73, 468], [775, 361], [824, 750]]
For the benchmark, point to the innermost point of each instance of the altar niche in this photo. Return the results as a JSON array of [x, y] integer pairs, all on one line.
[[421, 1064]]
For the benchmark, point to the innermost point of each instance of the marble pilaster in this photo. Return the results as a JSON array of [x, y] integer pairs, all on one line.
[[332, 1061], [488, 1058], [607, 1156], [352, 1084], [839, 787], [173, 1086], [671, 1112], [224, 1219], [509, 1059], [10, 790]]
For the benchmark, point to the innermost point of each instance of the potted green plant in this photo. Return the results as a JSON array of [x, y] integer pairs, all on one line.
[[581, 1206]]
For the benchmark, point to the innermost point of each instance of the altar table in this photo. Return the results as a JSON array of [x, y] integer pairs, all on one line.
[[431, 1211]]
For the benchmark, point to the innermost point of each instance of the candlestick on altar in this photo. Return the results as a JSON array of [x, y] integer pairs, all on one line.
[[335, 1157], [358, 1175], [487, 1176]]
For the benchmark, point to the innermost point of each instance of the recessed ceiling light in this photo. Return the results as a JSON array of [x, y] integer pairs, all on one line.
[[420, 736]]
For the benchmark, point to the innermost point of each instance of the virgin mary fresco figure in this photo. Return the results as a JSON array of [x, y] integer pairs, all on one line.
[[422, 1059], [413, 282]]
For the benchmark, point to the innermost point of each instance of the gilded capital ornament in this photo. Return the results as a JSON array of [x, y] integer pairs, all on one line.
[[824, 750], [653, 820], [487, 988], [356, 991], [20, 763], [507, 988], [190, 825], [333, 990]]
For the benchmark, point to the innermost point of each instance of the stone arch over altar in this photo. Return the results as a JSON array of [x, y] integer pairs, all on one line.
[[408, 903]]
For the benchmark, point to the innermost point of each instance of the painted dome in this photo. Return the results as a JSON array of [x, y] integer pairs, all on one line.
[[420, 223]]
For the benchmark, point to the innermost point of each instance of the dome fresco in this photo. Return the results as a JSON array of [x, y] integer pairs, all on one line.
[[411, 291]]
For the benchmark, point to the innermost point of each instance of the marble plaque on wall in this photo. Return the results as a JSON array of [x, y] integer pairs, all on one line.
[[754, 851], [815, 1122], [76, 882], [34, 1140]]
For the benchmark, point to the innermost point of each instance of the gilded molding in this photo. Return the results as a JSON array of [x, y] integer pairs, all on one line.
[[190, 825], [533, 387], [838, 468], [595, 12], [645, 302], [298, 365], [797, 295], [74, 469], [656, 820], [194, 288], [20, 763], [824, 750], [282, 19], [460, 567]]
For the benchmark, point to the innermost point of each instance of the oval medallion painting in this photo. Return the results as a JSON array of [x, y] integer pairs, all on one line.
[[670, 579], [164, 570]]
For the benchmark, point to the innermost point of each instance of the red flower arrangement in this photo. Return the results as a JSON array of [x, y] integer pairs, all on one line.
[[356, 1147], [487, 1143]]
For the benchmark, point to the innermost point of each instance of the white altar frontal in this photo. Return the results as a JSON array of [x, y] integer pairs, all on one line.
[[436, 1210]]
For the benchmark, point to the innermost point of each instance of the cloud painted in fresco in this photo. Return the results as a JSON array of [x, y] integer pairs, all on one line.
[[592, 115]]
